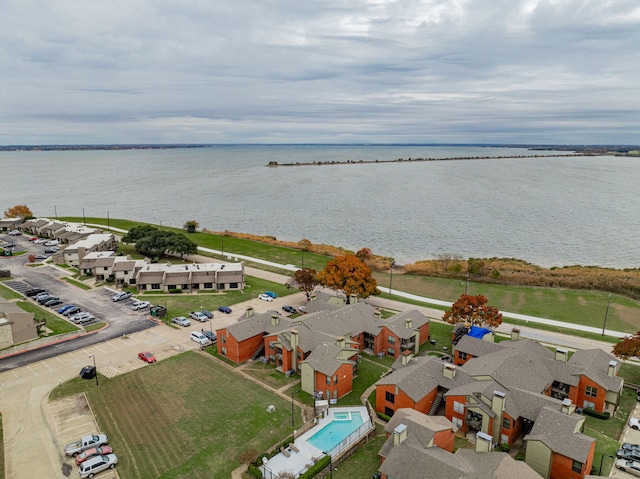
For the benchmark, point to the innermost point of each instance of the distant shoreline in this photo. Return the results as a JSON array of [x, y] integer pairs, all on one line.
[[273, 164]]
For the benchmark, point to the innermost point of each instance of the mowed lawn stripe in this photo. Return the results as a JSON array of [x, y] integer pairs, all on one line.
[[187, 417]]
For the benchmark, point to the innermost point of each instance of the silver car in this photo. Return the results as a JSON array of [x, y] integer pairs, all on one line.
[[181, 321]]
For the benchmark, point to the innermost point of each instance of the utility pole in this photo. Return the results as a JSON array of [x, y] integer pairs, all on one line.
[[606, 313]]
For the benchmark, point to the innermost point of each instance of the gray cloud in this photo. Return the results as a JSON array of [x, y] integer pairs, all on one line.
[[511, 71]]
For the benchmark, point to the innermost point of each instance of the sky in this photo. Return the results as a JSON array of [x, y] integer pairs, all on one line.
[[308, 71]]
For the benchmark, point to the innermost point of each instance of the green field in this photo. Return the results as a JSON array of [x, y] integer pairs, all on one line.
[[185, 417]]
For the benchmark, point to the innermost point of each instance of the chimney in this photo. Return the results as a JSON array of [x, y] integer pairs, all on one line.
[[497, 406], [408, 323], [294, 340], [341, 342], [611, 371], [275, 320], [515, 334], [406, 357], [248, 312], [399, 434], [353, 299], [377, 314], [567, 406], [562, 355], [313, 297], [483, 442], [449, 370]]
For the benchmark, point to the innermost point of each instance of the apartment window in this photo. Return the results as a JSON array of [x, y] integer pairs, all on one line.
[[576, 466], [389, 397], [391, 340], [591, 391], [389, 411], [142, 286], [335, 379], [208, 285], [328, 380], [458, 407], [391, 352], [462, 356], [224, 350], [457, 422], [233, 285], [588, 404], [126, 273], [220, 285], [506, 423], [155, 286], [105, 268], [223, 338], [271, 344]]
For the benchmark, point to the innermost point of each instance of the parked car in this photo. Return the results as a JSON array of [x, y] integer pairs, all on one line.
[[34, 292], [39, 296], [273, 311], [211, 336], [632, 467], [83, 317], [289, 309], [44, 299], [181, 321], [33, 238], [628, 454], [90, 467], [138, 305], [208, 314], [634, 423], [40, 241], [41, 256], [84, 443], [147, 357], [303, 309], [225, 309], [66, 307], [94, 451], [199, 338], [271, 293], [72, 311], [51, 250], [265, 297], [121, 296], [51, 243], [628, 445], [14, 233], [52, 302], [198, 316]]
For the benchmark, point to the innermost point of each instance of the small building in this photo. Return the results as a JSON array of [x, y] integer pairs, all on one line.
[[16, 325]]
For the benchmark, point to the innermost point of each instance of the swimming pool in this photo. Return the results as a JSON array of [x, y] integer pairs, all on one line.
[[342, 425]]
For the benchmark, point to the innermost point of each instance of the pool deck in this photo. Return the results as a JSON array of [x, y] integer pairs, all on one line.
[[306, 455]]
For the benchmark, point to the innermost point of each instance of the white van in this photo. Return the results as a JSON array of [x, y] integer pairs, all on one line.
[[199, 337], [91, 467]]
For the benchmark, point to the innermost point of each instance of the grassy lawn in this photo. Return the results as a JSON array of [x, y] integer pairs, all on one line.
[[368, 373], [8, 293], [363, 463], [268, 374], [56, 324], [184, 417], [572, 306]]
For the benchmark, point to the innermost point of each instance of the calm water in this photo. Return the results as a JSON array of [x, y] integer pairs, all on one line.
[[549, 211]]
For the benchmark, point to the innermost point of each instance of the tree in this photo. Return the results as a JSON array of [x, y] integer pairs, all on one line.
[[191, 226], [349, 275], [137, 232], [305, 245], [628, 347], [474, 310], [18, 211], [305, 280], [180, 244]]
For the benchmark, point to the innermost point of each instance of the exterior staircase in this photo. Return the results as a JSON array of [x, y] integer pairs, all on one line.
[[436, 404]]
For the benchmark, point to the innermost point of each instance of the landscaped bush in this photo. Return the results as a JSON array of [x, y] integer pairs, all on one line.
[[314, 470], [175, 291], [383, 416], [600, 415], [254, 471]]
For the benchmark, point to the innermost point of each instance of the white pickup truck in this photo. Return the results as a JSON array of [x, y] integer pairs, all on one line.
[[85, 442]]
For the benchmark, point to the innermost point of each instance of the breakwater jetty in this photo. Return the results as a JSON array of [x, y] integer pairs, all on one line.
[[413, 160]]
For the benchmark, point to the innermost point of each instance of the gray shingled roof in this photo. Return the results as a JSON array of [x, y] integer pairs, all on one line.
[[595, 364], [422, 375], [323, 358], [477, 347], [556, 430]]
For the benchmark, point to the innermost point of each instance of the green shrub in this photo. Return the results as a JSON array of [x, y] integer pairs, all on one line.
[[255, 471], [383, 416], [600, 415], [175, 291], [314, 470]]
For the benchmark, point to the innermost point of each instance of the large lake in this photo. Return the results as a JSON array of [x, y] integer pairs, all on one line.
[[548, 211]]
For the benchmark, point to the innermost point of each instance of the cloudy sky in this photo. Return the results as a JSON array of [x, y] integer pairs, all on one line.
[[307, 71]]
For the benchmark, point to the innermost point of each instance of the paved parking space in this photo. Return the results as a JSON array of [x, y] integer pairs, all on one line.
[[629, 435]]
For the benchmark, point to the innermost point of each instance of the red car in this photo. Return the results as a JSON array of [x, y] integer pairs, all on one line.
[[33, 238], [94, 451], [147, 357]]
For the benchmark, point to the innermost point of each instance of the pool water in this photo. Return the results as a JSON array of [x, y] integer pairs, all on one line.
[[335, 432]]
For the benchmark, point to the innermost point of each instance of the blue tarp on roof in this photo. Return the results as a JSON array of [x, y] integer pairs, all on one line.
[[476, 332]]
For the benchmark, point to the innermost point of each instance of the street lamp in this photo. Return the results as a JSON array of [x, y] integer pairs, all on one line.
[[390, 277], [95, 368], [466, 286], [222, 241], [302, 251], [601, 461], [606, 313], [292, 411]]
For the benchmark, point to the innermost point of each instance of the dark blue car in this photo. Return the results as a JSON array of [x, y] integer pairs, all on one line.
[[271, 293], [66, 307], [225, 309]]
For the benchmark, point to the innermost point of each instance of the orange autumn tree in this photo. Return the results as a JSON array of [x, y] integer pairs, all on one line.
[[349, 275], [18, 211], [474, 310], [628, 347]]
